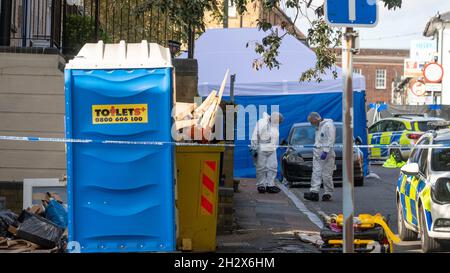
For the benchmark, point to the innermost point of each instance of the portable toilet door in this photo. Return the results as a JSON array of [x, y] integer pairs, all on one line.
[[120, 181]]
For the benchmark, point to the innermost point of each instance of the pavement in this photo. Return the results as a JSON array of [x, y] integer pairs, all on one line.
[[268, 222]]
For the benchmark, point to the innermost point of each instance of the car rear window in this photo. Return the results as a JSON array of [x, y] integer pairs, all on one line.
[[305, 135], [440, 157]]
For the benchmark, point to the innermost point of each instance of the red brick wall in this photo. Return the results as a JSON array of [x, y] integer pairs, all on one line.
[[369, 71], [369, 60]]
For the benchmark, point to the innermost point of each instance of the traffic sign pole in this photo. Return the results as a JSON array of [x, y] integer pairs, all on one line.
[[349, 14], [347, 159]]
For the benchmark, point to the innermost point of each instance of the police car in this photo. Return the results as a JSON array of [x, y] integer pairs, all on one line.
[[398, 130], [423, 192]]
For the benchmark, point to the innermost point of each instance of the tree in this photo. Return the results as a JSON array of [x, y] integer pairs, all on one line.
[[190, 14]]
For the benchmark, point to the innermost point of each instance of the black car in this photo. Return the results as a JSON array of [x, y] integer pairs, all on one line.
[[297, 162]]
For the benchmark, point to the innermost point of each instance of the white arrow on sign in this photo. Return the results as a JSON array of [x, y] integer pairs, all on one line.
[[352, 10]]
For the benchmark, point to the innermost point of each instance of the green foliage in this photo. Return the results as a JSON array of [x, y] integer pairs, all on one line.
[[324, 39], [80, 30], [393, 4], [190, 14], [321, 37]]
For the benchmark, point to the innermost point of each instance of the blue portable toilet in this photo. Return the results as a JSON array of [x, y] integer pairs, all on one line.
[[120, 195]]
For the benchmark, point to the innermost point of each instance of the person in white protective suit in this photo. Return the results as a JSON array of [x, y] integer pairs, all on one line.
[[264, 143], [323, 158]]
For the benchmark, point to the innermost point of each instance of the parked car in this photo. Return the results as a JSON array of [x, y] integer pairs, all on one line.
[[423, 193], [297, 162], [398, 130]]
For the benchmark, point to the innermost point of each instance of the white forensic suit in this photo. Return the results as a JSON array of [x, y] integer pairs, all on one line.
[[323, 169], [265, 141]]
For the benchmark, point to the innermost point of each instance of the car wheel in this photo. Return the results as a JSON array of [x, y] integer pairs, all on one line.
[[359, 182], [404, 233], [397, 155], [428, 244]]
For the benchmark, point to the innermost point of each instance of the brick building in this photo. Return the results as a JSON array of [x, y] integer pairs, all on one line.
[[381, 67], [255, 12]]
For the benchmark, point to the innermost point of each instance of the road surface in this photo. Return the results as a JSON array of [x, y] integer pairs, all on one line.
[[376, 196]]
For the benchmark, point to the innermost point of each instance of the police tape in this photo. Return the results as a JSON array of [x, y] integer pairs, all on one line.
[[174, 143]]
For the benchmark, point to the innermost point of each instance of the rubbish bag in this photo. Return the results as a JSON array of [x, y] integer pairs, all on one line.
[[7, 218], [40, 231], [56, 213]]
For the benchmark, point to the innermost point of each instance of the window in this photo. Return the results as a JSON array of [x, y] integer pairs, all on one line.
[[385, 125], [305, 135], [231, 9], [416, 153], [401, 126], [380, 79], [395, 126], [423, 162], [34, 190], [375, 128], [357, 71], [391, 126], [440, 157]]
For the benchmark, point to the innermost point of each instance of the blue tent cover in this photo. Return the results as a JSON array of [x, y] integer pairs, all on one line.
[[220, 49]]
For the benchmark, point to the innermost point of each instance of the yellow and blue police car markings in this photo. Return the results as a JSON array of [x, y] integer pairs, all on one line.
[[384, 149], [374, 140], [426, 203], [396, 136], [429, 219], [412, 194], [420, 187], [401, 187], [408, 198], [399, 182]]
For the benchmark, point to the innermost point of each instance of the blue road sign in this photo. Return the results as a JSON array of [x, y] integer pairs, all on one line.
[[351, 13]]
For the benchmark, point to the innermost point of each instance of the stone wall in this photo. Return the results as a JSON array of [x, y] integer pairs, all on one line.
[[225, 218], [186, 79]]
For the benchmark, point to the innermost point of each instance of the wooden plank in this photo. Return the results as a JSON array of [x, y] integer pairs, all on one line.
[[205, 105], [212, 120], [185, 123], [183, 109], [212, 117], [222, 87], [210, 112]]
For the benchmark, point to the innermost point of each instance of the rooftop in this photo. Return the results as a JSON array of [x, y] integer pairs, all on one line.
[[431, 26]]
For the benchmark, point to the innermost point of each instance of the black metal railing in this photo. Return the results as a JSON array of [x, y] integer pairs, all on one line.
[[67, 26], [113, 21]]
